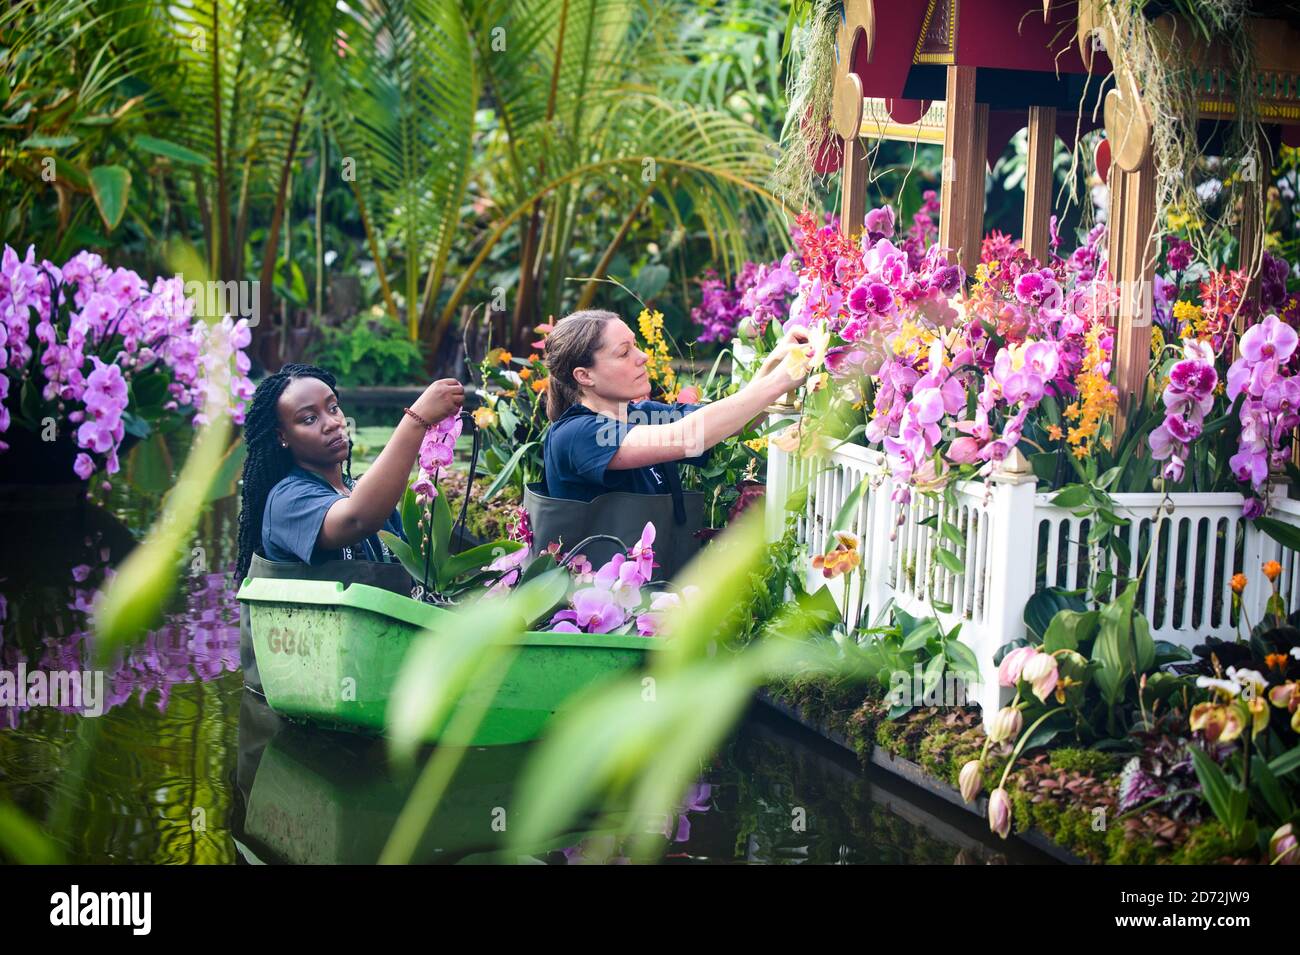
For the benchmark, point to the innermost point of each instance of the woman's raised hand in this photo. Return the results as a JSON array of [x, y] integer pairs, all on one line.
[[772, 373], [440, 400]]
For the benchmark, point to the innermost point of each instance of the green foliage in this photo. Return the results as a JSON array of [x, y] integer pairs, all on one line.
[[890, 655], [369, 349], [1102, 657], [426, 552], [511, 422]]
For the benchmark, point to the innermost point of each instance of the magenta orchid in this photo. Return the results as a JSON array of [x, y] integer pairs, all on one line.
[[1188, 399], [436, 452], [97, 331]]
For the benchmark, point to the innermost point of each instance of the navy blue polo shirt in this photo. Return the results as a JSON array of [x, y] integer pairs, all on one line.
[[295, 513], [579, 445]]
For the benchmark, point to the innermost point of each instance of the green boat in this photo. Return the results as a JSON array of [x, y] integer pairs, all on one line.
[[328, 653]]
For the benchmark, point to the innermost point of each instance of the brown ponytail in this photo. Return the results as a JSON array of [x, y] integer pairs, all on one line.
[[572, 344]]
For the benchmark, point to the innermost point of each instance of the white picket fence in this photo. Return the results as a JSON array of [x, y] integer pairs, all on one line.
[[1017, 542]]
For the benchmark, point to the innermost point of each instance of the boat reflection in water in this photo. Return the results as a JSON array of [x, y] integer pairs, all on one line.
[[313, 796]]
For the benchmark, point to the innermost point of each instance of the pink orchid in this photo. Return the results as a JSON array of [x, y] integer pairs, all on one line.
[[594, 611]]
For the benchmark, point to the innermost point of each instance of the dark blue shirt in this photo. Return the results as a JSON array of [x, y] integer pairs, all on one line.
[[294, 514], [579, 445]]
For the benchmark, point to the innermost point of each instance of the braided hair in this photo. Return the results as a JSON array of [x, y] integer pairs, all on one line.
[[267, 463]]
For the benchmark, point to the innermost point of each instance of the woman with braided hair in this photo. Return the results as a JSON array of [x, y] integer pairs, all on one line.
[[299, 502]]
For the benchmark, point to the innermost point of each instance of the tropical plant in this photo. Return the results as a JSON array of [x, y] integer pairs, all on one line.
[[512, 419], [573, 123], [369, 349]]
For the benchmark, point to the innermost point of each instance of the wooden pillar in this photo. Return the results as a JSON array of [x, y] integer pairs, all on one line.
[[965, 142], [1133, 265], [853, 186], [1039, 180], [978, 159], [1250, 232]]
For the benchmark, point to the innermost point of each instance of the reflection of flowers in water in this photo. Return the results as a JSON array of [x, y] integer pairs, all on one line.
[[674, 826], [194, 645]]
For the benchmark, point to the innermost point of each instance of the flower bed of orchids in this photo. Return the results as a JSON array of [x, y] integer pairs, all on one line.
[[90, 355], [1120, 748]]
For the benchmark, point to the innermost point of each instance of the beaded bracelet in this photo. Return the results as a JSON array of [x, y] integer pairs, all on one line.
[[426, 424]]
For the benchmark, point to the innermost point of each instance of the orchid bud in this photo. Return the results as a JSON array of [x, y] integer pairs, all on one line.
[[1283, 848], [970, 780], [1005, 725], [1000, 812]]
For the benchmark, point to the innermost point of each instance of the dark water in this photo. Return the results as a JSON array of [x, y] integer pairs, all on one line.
[[188, 767]]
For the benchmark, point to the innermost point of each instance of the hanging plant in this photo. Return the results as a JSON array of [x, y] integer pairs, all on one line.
[[1159, 67], [806, 137]]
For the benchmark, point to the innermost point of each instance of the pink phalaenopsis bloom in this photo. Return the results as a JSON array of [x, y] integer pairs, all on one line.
[[623, 579], [1271, 339], [1188, 398], [648, 624], [1023, 371], [97, 330], [880, 222], [1039, 288], [510, 567], [1193, 377], [1268, 411], [642, 552], [595, 610]]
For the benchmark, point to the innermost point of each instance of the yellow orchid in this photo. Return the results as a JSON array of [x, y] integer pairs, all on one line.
[[485, 417], [787, 440], [801, 359], [1219, 723], [1287, 697]]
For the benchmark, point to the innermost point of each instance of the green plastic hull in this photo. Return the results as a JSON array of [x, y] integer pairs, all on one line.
[[330, 654]]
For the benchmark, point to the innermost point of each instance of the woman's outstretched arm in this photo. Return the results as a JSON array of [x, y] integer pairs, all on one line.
[[650, 444], [377, 492]]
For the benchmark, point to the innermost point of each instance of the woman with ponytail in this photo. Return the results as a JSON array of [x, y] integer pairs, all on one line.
[[299, 502], [603, 439]]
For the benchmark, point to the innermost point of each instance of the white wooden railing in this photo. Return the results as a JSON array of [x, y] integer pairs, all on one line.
[[1017, 542]]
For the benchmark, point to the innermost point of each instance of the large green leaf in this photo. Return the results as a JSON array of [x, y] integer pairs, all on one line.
[[1113, 648], [441, 533], [1041, 609], [226, 482], [406, 555], [110, 186], [1227, 800], [149, 467], [170, 150], [504, 475], [1068, 629], [477, 557], [1284, 534], [848, 510]]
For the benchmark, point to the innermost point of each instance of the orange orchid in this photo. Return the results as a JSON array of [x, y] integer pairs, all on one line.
[[841, 559]]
